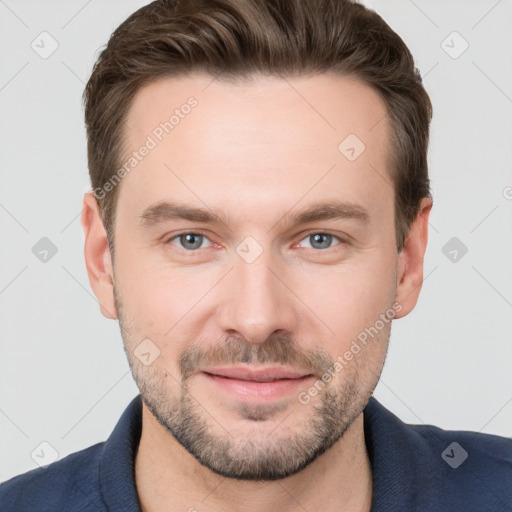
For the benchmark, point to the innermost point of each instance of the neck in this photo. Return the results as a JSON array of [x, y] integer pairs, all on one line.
[[168, 478]]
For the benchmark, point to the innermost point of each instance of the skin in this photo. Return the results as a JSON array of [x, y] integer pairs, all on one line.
[[253, 152]]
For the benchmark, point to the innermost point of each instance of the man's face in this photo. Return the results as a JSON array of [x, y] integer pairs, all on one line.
[[256, 289]]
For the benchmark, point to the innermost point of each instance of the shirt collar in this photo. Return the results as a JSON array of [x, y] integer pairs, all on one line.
[[403, 462], [117, 466]]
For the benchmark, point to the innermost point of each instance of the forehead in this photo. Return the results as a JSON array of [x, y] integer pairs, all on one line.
[[281, 139]]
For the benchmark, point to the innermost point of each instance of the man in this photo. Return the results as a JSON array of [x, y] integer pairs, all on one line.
[[258, 218]]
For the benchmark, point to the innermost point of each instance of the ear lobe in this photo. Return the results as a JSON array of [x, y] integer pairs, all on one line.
[[97, 256], [410, 265]]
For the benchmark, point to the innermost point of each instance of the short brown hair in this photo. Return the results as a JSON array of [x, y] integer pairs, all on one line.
[[237, 38]]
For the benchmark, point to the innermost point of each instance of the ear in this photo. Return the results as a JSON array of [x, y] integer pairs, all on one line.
[[97, 256], [410, 265]]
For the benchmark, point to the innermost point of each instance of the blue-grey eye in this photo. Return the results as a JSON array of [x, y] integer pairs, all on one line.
[[320, 240], [189, 241]]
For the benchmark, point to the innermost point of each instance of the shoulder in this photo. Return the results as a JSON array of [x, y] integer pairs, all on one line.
[[70, 484], [474, 468], [452, 447], [460, 446], [436, 469]]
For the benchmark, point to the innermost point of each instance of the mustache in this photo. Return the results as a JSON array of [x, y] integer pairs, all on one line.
[[234, 350]]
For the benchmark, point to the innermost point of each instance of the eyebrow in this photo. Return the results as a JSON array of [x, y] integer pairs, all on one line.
[[166, 211]]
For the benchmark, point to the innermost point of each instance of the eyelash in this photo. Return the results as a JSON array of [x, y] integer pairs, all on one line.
[[177, 236]]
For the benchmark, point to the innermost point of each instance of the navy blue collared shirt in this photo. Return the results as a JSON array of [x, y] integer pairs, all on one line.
[[415, 468]]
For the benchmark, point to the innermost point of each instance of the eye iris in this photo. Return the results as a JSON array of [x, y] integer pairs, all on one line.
[[189, 239], [322, 239]]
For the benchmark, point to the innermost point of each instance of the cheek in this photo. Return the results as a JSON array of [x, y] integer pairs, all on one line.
[[161, 302], [156, 305], [354, 293]]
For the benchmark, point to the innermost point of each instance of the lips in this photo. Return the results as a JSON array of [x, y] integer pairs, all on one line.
[[253, 375], [256, 386]]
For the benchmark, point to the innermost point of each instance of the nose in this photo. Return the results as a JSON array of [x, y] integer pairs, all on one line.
[[256, 301]]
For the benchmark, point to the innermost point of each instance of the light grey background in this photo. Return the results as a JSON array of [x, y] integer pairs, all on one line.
[[64, 379]]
